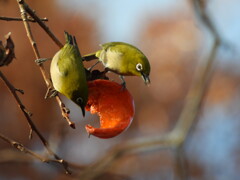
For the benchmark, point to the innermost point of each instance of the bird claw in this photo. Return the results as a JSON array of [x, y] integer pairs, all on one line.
[[51, 93], [123, 83], [41, 60]]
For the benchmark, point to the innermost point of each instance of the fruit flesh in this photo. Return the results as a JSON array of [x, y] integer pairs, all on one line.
[[113, 104]]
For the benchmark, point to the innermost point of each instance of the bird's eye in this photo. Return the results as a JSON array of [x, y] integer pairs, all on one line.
[[139, 67], [79, 100]]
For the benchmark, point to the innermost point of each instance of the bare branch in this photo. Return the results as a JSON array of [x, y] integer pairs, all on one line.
[[30, 122], [22, 6], [203, 73], [20, 147], [175, 138], [11, 155], [13, 90], [38, 20], [20, 19], [181, 166]]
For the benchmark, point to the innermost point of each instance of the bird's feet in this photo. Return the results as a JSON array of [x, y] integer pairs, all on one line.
[[123, 82], [123, 85], [96, 74], [41, 60], [51, 92]]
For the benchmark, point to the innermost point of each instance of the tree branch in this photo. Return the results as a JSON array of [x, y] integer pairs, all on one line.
[[30, 122], [22, 6], [25, 112], [20, 147], [20, 19], [26, 8], [175, 138]]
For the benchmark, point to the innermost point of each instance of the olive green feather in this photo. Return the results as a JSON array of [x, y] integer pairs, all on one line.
[[123, 59], [68, 73]]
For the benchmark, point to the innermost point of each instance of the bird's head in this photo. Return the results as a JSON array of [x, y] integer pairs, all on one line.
[[141, 67]]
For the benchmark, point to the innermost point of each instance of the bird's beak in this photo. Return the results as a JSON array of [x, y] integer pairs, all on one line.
[[146, 79], [83, 110], [79, 101]]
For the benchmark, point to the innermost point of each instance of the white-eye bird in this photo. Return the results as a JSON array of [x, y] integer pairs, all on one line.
[[123, 59], [68, 73]]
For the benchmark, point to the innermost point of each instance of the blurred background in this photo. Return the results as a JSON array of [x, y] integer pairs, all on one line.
[[174, 42]]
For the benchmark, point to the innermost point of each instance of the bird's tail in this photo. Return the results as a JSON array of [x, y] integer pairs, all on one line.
[[72, 41], [69, 38]]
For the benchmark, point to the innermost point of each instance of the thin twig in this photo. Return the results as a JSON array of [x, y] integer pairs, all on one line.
[[11, 155], [30, 122], [23, 149], [22, 6], [175, 138], [47, 81], [142, 145], [203, 73], [20, 19], [13, 91], [38, 20], [181, 168]]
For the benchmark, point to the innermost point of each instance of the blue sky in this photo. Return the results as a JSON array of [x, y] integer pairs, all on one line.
[[121, 20]]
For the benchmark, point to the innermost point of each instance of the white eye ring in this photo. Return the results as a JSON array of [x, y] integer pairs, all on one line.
[[139, 67]]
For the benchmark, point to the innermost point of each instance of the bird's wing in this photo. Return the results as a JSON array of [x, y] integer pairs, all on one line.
[[111, 45], [111, 55], [66, 56]]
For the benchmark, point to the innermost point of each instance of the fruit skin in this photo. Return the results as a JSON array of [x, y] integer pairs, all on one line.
[[113, 104]]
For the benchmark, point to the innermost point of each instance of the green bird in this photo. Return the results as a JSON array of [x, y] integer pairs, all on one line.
[[123, 59], [68, 73]]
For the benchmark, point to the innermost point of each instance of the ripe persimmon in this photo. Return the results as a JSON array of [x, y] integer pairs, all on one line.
[[113, 104]]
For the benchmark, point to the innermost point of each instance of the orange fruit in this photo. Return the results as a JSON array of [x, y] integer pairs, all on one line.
[[113, 104]]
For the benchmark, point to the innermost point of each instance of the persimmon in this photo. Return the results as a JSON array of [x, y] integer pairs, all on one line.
[[114, 106]]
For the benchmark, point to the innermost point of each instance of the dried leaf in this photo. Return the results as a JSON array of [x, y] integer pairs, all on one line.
[[7, 51]]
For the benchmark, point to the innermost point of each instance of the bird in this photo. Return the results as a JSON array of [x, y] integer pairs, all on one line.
[[123, 59], [68, 73]]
